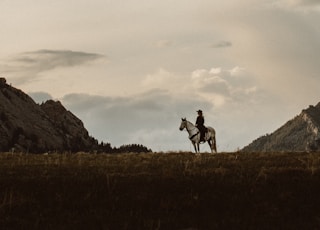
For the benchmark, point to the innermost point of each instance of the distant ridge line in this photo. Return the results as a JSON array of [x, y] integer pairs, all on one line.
[[302, 133]]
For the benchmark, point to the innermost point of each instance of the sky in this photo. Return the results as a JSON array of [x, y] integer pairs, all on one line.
[[130, 70]]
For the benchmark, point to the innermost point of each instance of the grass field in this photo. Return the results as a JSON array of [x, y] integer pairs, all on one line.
[[160, 191]]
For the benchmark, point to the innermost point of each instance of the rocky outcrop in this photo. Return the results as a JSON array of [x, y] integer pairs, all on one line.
[[302, 133], [76, 137], [29, 127]]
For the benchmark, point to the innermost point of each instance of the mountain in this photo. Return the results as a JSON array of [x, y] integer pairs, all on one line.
[[302, 133], [30, 127]]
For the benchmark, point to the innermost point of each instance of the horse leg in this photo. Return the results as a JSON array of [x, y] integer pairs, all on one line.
[[209, 142], [198, 145], [195, 147]]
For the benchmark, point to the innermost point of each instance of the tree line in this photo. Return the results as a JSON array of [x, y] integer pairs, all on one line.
[[130, 148]]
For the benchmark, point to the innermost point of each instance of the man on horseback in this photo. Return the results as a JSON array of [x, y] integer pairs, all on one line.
[[200, 125], [199, 133]]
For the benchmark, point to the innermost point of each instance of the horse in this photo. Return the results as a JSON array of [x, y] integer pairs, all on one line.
[[194, 135]]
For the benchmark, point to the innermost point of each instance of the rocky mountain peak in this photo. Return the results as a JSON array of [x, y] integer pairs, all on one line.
[[27, 126], [302, 133], [314, 112], [3, 82]]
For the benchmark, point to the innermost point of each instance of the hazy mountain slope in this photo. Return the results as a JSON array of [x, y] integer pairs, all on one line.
[[299, 134]]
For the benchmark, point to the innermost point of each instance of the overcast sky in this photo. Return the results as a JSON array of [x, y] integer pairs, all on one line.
[[131, 69]]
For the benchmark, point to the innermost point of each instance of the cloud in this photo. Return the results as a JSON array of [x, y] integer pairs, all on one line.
[[304, 4], [159, 78], [40, 97], [151, 118], [209, 82], [219, 85], [163, 43], [231, 85], [222, 44], [230, 98], [29, 65], [278, 45]]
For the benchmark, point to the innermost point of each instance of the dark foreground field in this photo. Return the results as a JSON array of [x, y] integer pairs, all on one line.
[[160, 191]]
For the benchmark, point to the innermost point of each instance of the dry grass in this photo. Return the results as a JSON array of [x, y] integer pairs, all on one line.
[[160, 191]]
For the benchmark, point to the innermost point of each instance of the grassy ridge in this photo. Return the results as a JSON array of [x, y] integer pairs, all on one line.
[[160, 191]]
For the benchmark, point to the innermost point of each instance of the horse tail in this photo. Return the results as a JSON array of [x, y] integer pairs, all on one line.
[[213, 138], [214, 143]]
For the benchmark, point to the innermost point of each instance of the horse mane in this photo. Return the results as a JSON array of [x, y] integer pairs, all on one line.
[[190, 122]]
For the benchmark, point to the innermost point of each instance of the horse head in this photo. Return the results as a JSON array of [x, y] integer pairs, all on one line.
[[183, 124]]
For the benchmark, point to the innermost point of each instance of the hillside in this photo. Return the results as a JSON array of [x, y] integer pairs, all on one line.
[[178, 191], [302, 133], [29, 127]]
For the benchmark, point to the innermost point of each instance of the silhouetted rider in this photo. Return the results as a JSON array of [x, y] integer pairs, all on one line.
[[200, 125]]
